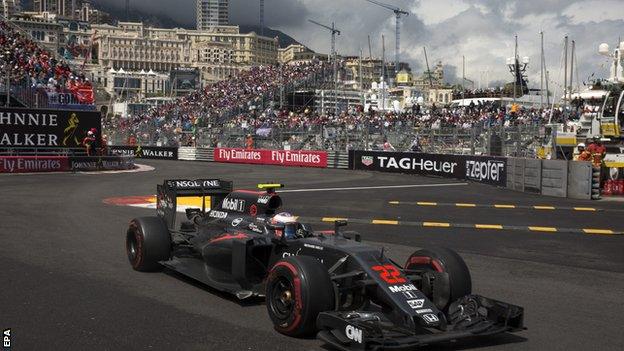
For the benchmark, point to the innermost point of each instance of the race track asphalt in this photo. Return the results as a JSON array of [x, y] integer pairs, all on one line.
[[66, 282]]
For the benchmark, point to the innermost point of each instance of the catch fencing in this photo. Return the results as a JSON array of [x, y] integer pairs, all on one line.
[[513, 141]]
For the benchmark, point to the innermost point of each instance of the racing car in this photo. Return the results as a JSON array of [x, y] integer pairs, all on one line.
[[328, 283]]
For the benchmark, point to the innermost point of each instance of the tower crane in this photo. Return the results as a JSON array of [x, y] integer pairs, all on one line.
[[397, 13], [334, 31]]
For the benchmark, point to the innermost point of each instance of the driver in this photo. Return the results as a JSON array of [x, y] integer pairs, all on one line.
[[286, 224]]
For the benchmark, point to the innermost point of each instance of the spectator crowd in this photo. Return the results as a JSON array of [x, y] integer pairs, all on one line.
[[25, 63], [216, 102], [480, 115]]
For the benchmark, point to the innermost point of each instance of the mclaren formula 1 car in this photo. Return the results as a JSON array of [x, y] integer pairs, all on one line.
[[328, 283]]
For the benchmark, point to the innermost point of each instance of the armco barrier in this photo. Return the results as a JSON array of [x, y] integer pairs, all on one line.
[[97, 163], [515, 173], [294, 158], [547, 177], [334, 159], [29, 164], [147, 152], [482, 169], [524, 174], [580, 180], [555, 178], [189, 154], [532, 175], [338, 160]]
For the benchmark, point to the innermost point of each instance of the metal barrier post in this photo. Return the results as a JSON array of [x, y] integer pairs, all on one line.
[[473, 137]]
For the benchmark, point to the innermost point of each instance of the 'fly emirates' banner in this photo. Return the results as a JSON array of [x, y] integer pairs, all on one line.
[[298, 158]]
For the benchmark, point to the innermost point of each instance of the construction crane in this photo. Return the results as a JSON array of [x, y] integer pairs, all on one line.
[[397, 13], [334, 32], [262, 17], [428, 69]]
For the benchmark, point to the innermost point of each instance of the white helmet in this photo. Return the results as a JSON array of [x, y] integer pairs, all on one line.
[[288, 221]]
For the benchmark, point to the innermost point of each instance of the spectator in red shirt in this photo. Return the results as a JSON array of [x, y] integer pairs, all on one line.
[[89, 143]]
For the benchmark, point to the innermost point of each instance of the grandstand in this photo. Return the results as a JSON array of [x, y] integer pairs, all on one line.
[[261, 102], [35, 77]]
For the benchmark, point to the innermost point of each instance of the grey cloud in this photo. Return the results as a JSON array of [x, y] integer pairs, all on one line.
[[485, 37], [284, 12]]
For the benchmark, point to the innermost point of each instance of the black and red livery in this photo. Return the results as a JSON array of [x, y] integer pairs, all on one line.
[[329, 284]]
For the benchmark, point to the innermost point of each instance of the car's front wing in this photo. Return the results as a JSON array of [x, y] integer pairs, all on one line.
[[471, 316]]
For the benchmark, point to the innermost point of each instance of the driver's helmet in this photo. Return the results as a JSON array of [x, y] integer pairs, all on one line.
[[288, 221]]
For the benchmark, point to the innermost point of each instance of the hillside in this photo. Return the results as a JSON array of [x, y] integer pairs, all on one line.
[[163, 21]]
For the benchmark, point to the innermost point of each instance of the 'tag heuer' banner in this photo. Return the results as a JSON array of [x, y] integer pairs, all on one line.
[[482, 169], [28, 164], [295, 158]]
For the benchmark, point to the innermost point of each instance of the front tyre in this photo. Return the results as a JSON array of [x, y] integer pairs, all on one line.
[[298, 289], [147, 242], [443, 260]]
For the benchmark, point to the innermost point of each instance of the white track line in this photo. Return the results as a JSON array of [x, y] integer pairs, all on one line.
[[139, 168], [372, 187]]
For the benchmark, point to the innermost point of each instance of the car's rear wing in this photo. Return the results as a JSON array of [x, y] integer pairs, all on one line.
[[170, 190]]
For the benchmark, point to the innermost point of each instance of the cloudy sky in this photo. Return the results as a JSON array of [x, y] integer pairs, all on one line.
[[481, 30]]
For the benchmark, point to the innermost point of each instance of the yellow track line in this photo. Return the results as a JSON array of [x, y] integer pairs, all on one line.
[[543, 229], [506, 206], [598, 231], [436, 224], [332, 219], [385, 221], [488, 226]]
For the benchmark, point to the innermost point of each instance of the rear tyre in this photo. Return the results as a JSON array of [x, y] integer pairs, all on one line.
[[444, 260], [147, 242], [298, 289]]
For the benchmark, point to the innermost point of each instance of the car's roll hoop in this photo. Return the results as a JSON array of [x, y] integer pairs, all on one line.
[[270, 187]]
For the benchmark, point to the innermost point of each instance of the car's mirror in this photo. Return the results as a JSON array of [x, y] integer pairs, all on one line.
[[305, 229], [191, 213], [337, 224], [341, 223]]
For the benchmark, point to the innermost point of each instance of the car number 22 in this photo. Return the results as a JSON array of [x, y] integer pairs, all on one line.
[[389, 273]]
